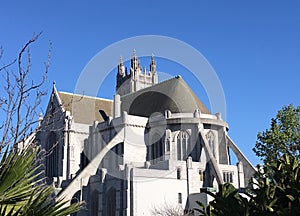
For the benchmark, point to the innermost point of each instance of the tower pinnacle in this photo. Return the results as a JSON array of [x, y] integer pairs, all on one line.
[[121, 67], [134, 53], [153, 65], [134, 62]]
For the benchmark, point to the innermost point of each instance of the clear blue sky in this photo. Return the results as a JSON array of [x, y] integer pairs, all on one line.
[[253, 46]]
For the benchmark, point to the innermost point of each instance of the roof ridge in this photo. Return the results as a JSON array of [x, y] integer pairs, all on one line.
[[85, 96]]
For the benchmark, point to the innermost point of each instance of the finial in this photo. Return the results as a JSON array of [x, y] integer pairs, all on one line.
[[121, 61], [134, 52], [54, 87], [152, 59]]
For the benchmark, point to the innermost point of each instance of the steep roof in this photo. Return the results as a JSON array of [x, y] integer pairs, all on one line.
[[85, 109], [173, 94]]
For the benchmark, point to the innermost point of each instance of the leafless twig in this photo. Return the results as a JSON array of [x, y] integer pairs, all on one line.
[[21, 96]]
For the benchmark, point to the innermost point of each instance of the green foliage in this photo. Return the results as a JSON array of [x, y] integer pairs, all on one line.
[[23, 191], [224, 200], [276, 187], [279, 195], [283, 137]]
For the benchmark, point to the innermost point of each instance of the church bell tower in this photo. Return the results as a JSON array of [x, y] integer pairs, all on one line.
[[137, 78]]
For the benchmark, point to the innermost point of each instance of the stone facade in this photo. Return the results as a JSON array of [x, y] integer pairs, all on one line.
[[155, 144]]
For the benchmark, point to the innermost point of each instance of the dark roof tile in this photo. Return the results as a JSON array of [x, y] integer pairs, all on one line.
[[85, 109], [173, 94]]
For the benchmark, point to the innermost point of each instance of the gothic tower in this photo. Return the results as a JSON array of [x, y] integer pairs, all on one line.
[[137, 78]]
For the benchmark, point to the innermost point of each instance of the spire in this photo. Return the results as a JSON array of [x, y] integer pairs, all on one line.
[[54, 86], [121, 67], [134, 61], [134, 53], [152, 65]]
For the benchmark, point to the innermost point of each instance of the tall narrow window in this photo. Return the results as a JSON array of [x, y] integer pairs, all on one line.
[[180, 198], [52, 152], [183, 140], [228, 177], [201, 175], [178, 173]]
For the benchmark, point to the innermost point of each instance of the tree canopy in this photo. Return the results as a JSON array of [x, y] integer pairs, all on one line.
[[283, 137]]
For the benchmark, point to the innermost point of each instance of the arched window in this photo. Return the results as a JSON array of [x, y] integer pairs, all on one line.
[[52, 156], [183, 140], [95, 203], [111, 202]]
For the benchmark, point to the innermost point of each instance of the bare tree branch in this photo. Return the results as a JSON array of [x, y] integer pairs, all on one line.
[[8, 65], [21, 97]]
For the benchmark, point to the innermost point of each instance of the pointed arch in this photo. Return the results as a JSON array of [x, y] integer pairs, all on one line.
[[183, 143], [52, 158]]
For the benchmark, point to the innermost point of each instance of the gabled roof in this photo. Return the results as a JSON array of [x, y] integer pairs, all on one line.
[[173, 94], [85, 109]]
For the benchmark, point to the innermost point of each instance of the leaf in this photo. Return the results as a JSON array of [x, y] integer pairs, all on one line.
[[23, 191], [290, 197]]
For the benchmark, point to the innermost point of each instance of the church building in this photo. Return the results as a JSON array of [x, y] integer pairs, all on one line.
[[155, 145]]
